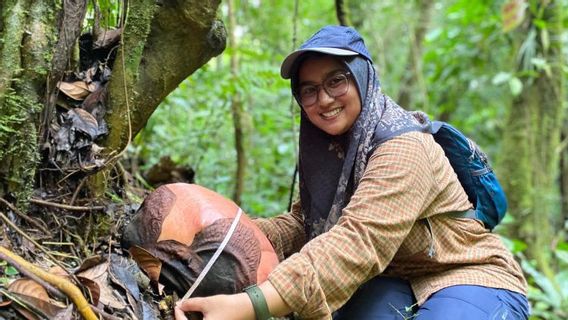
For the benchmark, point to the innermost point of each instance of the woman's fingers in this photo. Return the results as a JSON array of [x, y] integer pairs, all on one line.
[[194, 304], [179, 314]]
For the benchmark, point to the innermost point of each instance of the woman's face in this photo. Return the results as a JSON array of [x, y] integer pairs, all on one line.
[[336, 115]]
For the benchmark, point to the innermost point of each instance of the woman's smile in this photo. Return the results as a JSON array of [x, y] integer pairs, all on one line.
[[330, 115]]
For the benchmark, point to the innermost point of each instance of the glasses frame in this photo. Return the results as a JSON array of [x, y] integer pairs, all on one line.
[[321, 85]]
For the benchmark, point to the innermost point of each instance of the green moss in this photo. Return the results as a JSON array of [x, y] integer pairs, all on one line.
[[18, 150]]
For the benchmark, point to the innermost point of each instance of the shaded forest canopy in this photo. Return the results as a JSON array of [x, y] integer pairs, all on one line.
[[102, 101]]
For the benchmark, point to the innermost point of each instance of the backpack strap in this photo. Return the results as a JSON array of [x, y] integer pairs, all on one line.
[[469, 214]]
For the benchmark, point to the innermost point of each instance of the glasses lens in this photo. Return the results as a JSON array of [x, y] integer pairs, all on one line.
[[308, 94], [336, 85]]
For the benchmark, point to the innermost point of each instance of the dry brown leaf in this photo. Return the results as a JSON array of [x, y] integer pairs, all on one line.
[[49, 309], [151, 265], [5, 303], [93, 86], [99, 275], [94, 272], [89, 262], [28, 315], [85, 122], [93, 287], [76, 90], [29, 288]]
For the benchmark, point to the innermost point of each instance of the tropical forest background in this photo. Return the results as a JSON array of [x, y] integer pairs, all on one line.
[[497, 70], [491, 70]]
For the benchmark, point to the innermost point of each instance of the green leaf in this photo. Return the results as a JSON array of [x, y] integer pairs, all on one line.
[[545, 39], [516, 86], [501, 78], [11, 271], [542, 64], [562, 256], [551, 296]]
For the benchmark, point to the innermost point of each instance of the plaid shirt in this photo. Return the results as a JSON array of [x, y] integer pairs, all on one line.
[[394, 225]]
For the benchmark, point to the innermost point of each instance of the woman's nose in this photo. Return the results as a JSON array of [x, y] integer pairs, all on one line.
[[324, 98]]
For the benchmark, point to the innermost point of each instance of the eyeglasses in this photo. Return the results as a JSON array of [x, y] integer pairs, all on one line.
[[335, 85]]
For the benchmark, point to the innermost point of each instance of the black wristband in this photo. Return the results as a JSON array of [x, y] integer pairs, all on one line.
[[258, 302]]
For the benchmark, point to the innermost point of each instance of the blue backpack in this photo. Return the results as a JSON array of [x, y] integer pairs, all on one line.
[[474, 173]]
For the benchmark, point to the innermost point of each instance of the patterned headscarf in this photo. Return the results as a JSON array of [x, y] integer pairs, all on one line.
[[331, 166]]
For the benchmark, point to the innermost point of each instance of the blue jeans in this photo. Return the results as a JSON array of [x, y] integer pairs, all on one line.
[[383, 298]]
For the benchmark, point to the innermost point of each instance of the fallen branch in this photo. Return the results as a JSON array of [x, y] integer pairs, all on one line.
[[51, 289], [64, 206], [60, 283]]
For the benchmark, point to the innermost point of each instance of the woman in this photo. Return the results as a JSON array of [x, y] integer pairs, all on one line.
[[372, 236]]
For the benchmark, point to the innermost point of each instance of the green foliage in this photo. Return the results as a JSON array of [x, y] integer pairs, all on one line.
[[194, 124], [110, 11], [549, 297], [467, 69], [7, 273]]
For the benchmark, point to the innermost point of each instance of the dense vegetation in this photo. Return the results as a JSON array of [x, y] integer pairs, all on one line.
[[495, 69], [467, 62]]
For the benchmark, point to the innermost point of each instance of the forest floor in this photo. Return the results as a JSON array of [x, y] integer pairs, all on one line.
[[62, 259]]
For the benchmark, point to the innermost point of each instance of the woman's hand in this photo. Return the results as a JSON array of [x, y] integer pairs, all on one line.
[[219, 307]]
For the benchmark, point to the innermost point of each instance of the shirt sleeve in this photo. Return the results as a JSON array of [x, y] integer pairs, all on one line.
[[396, 187], [285, 232]]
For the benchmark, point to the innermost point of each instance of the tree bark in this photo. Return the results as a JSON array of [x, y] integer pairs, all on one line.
[[341, 10], [413, 78], [530, 160], [564, 172], [161, 45], [27, 31], [240, 122]]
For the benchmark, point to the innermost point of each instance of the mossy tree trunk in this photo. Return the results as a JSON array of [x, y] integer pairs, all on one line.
[[162, 44], [412, 94], [530, 158], [342, 12], [28, 32]]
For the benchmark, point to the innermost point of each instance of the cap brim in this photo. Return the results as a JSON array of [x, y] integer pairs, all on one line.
[[286, 67]]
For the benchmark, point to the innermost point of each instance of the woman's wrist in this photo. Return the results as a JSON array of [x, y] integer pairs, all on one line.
[[245, 304]]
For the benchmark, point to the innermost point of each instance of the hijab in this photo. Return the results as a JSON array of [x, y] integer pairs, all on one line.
[[331, 167]]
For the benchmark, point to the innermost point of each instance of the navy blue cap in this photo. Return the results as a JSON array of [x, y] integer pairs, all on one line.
[[333, 40]]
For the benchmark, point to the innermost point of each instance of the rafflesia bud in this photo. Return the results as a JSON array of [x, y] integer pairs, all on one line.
[[183, 224]]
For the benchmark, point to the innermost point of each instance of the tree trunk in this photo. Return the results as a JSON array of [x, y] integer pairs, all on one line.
[[27, 30], [161, 45], [564, 172], [237, 109], [413, 81], [341, 11], [531, 143]]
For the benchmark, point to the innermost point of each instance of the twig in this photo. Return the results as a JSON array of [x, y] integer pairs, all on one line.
[[64, 206], [79, 187], [104, 314], [39, 246], [62, 284], [25, 217]]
